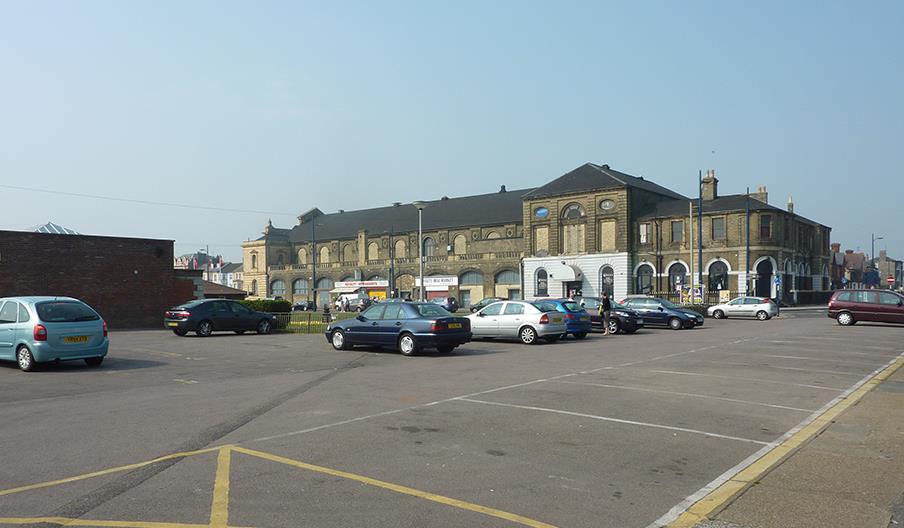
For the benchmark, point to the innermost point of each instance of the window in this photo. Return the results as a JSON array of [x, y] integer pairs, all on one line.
[[219, 307], [471, 278], [373, 251], [573, 212], [324, 254], [541, 240], [254, 287], [429, 247], [393, 311], [492, 235], [508, 277], [542, 283], [280, 259], [765, 227], [787, 230], [719, 228], [677, 276], [607, 281], [513, 309], [718, 276], [59, 312], [678, 231], [460, 245], [8, 313], [885, 298], [325, 284], [302, 256], [277, 287], [253, 261], [844, 296], [299, 287], [238, 308], [644, 279], [866, 297], [736, 302], [644, 233], [23, 314], [432, 310], [493, 309], [573, 238], [400, 249], [607, 235], [374, 312], [348, 254]]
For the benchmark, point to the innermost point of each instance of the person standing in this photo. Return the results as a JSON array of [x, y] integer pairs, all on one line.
[[605, 308]]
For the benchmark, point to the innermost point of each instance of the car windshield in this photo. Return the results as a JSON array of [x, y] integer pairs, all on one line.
[[432, 310], [617, 305], [572, 306], [545, 306], [65, 312], [668, 304]]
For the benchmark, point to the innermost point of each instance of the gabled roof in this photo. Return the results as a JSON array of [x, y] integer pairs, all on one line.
[[591, 177], [447, 213], [212, 289], [731, 202], [54, 229], [231, 267]]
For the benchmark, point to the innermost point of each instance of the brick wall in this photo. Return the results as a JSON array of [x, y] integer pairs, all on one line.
[[129, 281]]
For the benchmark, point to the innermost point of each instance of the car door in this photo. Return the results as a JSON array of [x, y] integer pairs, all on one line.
[[8, 313], [866, 306], [750, 306], [367, 331], [244, 318], [486, 322], [656, 311], [387, 332], [735, 307], [511, 318], [220, 316], [890, 308]]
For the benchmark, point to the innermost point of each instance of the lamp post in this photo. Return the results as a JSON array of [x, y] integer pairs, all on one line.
[[420, 244], [872, 253], [313, 265]]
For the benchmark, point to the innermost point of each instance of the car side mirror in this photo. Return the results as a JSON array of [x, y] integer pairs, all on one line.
[[361, 318], [479, 314]]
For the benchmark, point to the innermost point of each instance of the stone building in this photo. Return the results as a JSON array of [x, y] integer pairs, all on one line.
[[590, 230]]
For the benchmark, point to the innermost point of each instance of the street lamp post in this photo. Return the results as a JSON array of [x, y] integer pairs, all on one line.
[[313, 265], [872, 253], [420, 244]]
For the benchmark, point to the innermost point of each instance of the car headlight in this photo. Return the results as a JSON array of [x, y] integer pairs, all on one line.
[[620, 313]]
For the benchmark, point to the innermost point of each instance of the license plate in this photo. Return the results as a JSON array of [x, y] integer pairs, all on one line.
[[172, 324], [557, 320], [585, 318], [454, 325], [75, 339]]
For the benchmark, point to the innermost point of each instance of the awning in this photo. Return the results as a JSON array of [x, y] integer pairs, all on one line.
[[568, 272], [345, 290]]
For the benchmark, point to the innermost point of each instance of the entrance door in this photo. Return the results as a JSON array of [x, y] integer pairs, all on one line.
[[572, 288], [764, 273]]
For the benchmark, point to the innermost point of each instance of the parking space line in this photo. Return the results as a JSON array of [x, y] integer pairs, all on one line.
[[741, 378], [687, 394], [219, 508], [811, 358], [65, 521], [616, 420], [796, 369], [875, 355], [713, 497], [448, 501]]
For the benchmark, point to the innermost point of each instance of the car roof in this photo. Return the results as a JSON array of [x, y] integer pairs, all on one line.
[[33, 299]]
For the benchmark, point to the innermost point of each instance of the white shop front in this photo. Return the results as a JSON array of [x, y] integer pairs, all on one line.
[[372, 288], [438, 285]]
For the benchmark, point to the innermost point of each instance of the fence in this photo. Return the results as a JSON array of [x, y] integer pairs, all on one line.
[[709, 297], [308, 322]]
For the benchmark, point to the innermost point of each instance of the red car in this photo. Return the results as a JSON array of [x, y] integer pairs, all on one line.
[[852, 306]]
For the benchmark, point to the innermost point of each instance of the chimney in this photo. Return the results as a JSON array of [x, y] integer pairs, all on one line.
[[761, 194], [836, 247], [790, 204], [502, 189], [710, 185]]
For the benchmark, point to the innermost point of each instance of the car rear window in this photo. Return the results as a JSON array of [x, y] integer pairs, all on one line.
[[65, 312], [545, 306], [572, 306], [432, 310]]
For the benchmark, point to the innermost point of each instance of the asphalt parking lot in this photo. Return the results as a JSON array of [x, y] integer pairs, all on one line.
[[281, 430]]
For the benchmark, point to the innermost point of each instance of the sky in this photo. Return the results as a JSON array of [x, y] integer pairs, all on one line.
[[263, 110]]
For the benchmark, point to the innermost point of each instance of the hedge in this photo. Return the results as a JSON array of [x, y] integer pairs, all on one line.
[[268, 305]]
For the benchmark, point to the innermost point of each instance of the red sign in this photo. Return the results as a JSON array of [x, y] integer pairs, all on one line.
[[890, 279]]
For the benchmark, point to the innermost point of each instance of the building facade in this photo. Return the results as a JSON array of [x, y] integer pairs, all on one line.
[[591, 230]]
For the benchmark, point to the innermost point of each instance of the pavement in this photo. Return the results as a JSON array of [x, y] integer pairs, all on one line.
[[281, 430]]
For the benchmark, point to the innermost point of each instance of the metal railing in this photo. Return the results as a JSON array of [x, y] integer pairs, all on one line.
[[308, 322]]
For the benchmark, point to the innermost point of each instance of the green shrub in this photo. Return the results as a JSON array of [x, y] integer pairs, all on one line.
[[268, 305]]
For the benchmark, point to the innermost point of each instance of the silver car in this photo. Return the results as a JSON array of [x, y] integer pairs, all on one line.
[[758, 307], [40, 329], [527, 321]]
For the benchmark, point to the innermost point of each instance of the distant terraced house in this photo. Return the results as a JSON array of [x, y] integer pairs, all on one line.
[[591, 230]]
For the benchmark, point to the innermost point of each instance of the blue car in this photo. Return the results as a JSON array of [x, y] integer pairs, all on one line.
[[660, 312], [577, 319], [35, 330], [406, 326]]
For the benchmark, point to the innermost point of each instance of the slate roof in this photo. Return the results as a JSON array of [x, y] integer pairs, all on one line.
[[231, 267], [731, 202], [591, 177], [212, 289], [54, 229], [449, 213]]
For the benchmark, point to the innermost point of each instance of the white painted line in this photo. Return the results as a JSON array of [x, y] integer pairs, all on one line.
[[682, 506], [811, 358], [795, 369], [616, 420], [740, 378], [687, 394], [888, 353]]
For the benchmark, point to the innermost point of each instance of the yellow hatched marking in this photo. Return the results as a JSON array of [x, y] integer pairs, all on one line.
[[398, 489], [219, 509]]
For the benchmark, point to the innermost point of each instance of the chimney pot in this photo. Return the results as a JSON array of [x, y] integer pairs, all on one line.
[[502, 189]]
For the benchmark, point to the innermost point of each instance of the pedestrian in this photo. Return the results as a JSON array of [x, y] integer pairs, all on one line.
[[605, 309]]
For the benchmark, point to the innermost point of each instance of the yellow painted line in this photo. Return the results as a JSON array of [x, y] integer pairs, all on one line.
[[398, 489], [105, 471], [717, 499], [219, 509], [64, 521]]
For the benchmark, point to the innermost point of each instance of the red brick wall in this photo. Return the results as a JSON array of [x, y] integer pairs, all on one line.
[[129, 281]]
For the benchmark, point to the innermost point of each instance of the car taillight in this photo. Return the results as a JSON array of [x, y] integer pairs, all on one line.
[[544, 319], [40, 333], [767, 300], [570, 316], [105, 329], [436, 326], [178, 315]]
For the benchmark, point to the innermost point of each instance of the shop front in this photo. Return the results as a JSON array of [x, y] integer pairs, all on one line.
[[371, 288], [438, 286]]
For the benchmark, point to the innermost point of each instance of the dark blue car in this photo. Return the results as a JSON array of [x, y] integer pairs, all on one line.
[[660, 312], [577, 320], [408, 327]]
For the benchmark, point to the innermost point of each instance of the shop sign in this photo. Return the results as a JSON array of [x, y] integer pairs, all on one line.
[[362, 284]]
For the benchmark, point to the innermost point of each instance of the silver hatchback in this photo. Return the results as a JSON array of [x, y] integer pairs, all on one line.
[[526, 321], [34, 330], [758, 307]]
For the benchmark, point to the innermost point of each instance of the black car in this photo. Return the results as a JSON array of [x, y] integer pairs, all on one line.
[[621, 318], [449, 303], [656, 311], [304, 306], [206, 316], [486, 301], [407, 327]]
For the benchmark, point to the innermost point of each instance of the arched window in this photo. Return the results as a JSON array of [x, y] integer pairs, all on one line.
[[253, 285], [607, 280], [302, 256], [718, 276], [299, 287], [492, 235], [644, 279], [542, 283], [400, 249], [277, 287], [348, 254], [376, 277], [459, 245], [573, 212], [325, 284], [429, 247], [324, 254], [253, 261], [373, 251], [507, 277], [677, 276], [471, 278]]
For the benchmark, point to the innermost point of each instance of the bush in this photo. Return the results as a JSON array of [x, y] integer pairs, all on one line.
[[268, 305]]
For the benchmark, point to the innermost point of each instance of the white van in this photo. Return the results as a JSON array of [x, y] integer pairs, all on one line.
[[354, 299]]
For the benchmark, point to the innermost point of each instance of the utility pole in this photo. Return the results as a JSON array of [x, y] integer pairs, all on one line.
[[420, 246], [700, 228], [313, 263], [747, 251]]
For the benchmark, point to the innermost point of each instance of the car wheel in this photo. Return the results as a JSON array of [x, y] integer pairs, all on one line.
[[180, 332], [613, 326], [205, 328], [264, 327], [719, 314], [338, 340], [528, 335], [407, 345], [445, 349], [845, 319], [580, 335], [762, 315], [675, 323], [25, 360], [94, 362]]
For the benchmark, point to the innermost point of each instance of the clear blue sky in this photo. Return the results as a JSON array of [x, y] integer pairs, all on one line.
[[282, 106]]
